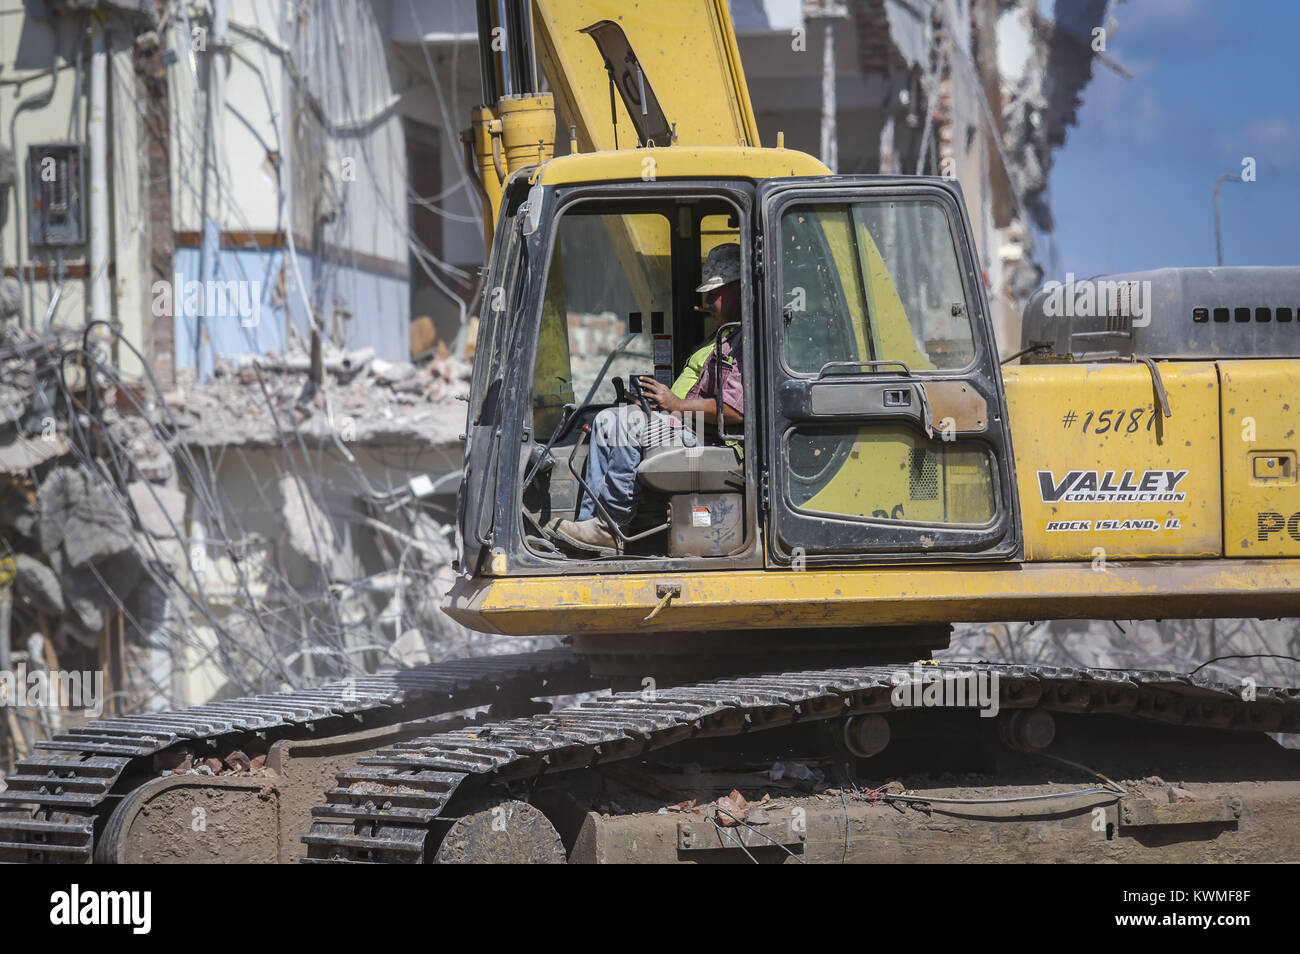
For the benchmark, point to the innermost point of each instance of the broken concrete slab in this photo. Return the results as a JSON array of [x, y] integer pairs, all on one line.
[[148, 454], [20, 454], [38, 585], [310, 533], [160, 510], [82, 514], [410, 649], [84, 597], [90, 588], [14, 402]]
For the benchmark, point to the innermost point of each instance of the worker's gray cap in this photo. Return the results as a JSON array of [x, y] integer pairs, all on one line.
[[721, 267]]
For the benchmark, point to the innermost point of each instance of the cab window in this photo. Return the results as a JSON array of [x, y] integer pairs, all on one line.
[[872, 281], [609, 286]]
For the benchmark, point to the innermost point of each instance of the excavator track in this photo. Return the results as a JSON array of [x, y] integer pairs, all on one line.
[[385, 809], [56, 798]]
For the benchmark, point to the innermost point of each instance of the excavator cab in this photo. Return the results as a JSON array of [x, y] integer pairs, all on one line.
[[613, 299], [873, 426]]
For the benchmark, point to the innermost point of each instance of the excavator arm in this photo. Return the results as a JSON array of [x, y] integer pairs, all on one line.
[[614, 81]]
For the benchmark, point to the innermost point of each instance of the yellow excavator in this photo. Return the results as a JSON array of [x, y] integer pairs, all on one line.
[[1139, 464], [763, 624]]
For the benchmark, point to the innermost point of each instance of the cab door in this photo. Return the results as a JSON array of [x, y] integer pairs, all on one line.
[[885, 422], [493, 374]]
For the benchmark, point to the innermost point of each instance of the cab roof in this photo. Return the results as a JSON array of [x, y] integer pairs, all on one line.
[[677, 162]]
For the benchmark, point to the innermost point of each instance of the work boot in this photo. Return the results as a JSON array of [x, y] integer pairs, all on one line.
[[589, 535]]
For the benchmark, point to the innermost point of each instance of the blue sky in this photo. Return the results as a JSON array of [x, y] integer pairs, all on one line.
[[1214, 81]]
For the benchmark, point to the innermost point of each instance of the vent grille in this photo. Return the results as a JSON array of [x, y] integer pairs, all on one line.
[[1261, 314], [923, 474]]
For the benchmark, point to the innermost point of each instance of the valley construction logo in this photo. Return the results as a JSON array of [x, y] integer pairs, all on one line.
[[1110, 486], [926, 687], [76, 907]]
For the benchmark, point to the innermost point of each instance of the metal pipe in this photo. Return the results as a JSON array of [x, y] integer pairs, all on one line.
[[210, 244], [97, 134], [514, 43], [529, 47], [487, 66], [1218, 234], [830, 140], [35, 101], [507, 89]]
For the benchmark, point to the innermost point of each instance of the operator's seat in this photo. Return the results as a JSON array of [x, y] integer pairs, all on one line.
[[673, 469]]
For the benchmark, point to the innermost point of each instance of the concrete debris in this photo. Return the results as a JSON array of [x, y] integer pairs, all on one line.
[[410, 649], [11, 296], [795, 770], [81, 515], [38, 585], [137, 535], [171, 759], [1178, 795], [185, 762], [84, 597], [1042, 97], [364, 400], [149, 456], [118, 576], [757, 816], [310, 535], [20, 454], [390, 372], [237, 761], [159, 510], [14, 400], [731, 809], [342, 364]]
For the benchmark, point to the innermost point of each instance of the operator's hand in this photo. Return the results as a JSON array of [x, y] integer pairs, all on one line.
[[659, 394]]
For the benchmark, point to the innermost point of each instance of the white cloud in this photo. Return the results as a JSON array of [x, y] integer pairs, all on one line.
[[1274, 140]]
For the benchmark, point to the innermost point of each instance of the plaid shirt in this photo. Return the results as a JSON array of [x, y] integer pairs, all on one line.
[[729, 355]]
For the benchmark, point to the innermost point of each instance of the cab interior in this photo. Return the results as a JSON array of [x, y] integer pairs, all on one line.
[[620, 302]]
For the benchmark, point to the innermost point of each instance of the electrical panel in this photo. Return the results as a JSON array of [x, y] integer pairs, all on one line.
[[56, 188]]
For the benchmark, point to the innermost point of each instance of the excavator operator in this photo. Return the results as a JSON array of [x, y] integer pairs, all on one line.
[[620, 434]]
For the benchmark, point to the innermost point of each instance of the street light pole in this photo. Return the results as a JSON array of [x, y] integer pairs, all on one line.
[[1218, 234], [827, 11]]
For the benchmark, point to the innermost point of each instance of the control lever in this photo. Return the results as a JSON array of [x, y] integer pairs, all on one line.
[[630, 393], [634, 389]]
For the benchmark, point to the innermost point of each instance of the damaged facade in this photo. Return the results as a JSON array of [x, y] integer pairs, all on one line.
[[238, 318]]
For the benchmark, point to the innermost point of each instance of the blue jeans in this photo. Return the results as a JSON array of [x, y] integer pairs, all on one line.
[[618, 436]]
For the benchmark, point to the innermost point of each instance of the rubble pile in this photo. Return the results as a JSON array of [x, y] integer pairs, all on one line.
[[127, 548], [253, 399]]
